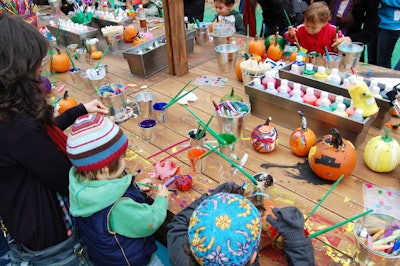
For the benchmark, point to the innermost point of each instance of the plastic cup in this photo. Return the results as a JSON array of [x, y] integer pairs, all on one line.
[[81, 55], [333, 61], [147, 128]]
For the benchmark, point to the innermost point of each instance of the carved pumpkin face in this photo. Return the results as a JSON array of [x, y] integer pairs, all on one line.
[[183, 182], [332, 157]]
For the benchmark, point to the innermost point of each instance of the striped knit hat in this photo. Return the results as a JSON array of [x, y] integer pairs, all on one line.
[[94, 141]]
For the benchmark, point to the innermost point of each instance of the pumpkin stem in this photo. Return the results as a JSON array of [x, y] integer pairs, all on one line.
[[268, 121], [65, 95], [58, 50], [303, 121], [232, 92], [386, 137], [336, 140]]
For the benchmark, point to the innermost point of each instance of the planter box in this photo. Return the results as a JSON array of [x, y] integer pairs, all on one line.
[[384, 114], [68, 37], [147, 58], [101, 23], [283, 111]]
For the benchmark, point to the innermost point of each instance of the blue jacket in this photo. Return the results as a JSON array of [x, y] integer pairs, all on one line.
[[389, 15]]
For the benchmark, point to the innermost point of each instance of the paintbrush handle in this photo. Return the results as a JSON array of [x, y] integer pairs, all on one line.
[[145, 185], [178, 98]]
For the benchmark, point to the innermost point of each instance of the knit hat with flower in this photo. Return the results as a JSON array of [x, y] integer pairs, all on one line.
[[224, 230], [94, 141]]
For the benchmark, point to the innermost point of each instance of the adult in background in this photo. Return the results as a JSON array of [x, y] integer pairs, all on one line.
[[389, 32], [273, 17], [358, 20], [34, 168], [194, 9]]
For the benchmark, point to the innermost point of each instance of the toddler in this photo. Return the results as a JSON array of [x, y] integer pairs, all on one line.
[[226, 14], [117, 225], [316, 32]]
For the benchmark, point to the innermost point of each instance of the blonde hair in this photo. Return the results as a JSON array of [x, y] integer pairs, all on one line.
[[91, 175], [317, 12]]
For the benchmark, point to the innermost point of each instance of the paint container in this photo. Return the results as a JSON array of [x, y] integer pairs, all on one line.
[[202, 35], [232, 120], [228, 148], [159, 111], [75, 74], [366, 255], [144, 101], [147, 129], [198, 164], [196, 139], [226, 56], [333, 62], [351, 54], [115, 102]]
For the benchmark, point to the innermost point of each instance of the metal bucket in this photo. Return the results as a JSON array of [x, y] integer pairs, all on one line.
[[233, 122], [116, 103], [115, 42], [144, 101], [351, 54], [227, 54], [202, 35], [366, 255]]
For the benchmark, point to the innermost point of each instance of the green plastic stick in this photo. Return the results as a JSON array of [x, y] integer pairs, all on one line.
[[198, 136], [145, 185], [178, 98], [234, 164], [104, 53], [184, 87], [323, 231], [70, 59], [326, 195]]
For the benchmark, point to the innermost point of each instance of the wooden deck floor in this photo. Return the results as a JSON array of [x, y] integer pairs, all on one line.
[[295, 183]]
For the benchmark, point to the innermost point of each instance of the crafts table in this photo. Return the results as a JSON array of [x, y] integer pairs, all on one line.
[[295, 184]]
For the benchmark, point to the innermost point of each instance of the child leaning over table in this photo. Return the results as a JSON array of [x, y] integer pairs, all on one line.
[[152, 8], [316, 32], [224, 229], [115, 222], [226, 14]]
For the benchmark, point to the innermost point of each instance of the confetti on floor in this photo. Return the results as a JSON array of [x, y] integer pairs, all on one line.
[[210, 81], [383, 200]]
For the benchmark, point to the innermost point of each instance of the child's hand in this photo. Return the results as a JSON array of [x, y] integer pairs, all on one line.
[[146, 181], [162, 191], [342, 40], [292, 31]]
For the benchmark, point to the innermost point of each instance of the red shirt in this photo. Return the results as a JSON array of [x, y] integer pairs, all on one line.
[[316, 42]]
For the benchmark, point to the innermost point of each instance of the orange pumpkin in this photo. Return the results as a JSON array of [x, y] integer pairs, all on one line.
[[96, 55], [66, 103], [60, 62], [274, 51], [332, 156], [132, 14], [302, 139], [238, 70], [137, 40], [292, 56], [256, 47], [130, 32]]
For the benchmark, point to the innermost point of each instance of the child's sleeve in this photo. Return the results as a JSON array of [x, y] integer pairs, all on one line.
[[239, 25], [132, 219]]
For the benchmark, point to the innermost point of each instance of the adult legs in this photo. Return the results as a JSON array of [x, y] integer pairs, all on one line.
[[387, 40]]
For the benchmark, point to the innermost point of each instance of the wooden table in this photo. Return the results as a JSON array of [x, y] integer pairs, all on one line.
[[295, 183]]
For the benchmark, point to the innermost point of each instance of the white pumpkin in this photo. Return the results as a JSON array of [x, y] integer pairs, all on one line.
[[382, 153]]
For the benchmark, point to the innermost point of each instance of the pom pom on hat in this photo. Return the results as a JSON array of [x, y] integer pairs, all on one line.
[[94, 141], [224, 230]]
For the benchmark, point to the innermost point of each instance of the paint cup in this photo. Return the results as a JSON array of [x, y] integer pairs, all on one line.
[[144, 101], [197, 139], [227, 54], [202, 35], [114, 97], [75, 74], [230, 121], [351, 54], [198, 164], [115, 42], [159, 111], [366, 255], [228, 148], [85, 79], [332, 62], [81, 55], [313, 58], [71, 48], [147, 129]]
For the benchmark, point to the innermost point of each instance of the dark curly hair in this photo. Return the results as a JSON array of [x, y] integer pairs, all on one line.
[[22, 50]]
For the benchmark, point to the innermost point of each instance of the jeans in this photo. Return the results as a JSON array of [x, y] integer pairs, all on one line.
[[4, 251], [387, 40]]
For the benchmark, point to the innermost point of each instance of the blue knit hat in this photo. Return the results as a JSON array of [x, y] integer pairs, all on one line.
[[94, 141], [224, 230]]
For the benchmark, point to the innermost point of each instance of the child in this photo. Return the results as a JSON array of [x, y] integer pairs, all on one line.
[[224, 229], [117, 225], [152, 8], [316, 32], [226, 14]]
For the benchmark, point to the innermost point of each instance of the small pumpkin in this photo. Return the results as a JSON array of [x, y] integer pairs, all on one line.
[[130, 32], [264, 137], [183, 182], [382, 153], [256, 47], [332, 156], [96, 55], [231, 97], [66, 102], [60, 62], [302, 138], [270, 40], [274, 51]]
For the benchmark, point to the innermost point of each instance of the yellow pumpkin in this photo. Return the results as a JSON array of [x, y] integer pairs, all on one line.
[[382, 153]]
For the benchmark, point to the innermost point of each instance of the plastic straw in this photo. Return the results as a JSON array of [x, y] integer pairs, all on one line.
[[234, 164], [173, 154], [101, 58], [70, 59], [287, 17], [323, 231], [324, 197], [167, 148], [184, 87], [58, 30], [327, 54], [178, 98]]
